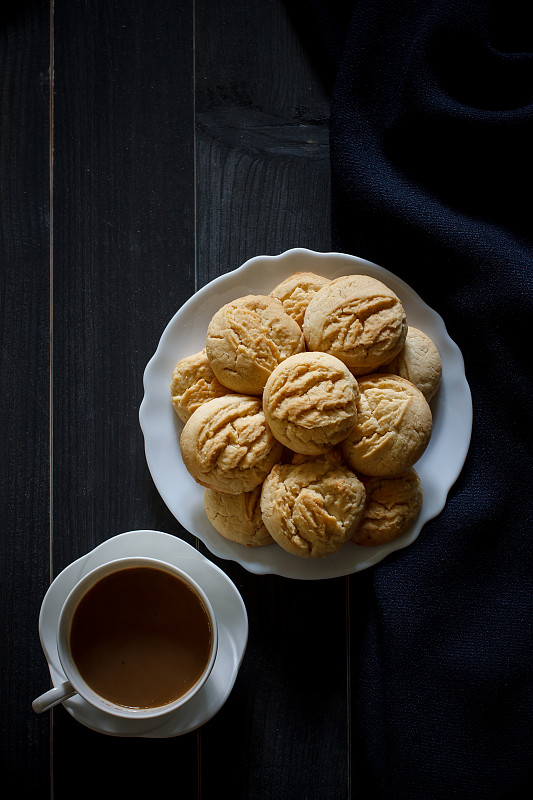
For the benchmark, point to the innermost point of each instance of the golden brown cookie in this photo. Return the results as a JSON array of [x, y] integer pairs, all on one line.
[[193, 383], [357, 319], [247, 339], [227, 445], [310, 402], [237, 517], [296, 291], [418, 361], [393, 426], [392, 505], [313, 508]]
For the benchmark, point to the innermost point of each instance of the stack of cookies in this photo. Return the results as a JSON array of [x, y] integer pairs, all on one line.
[[305, 413]]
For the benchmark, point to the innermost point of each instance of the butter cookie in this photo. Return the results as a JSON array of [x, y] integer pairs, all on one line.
[[247, 338], [357, 319], [227, 445], [418, 361], [393, 426], [310, 402], [193, 383], [311, 509], [296, 291], [237, 517], [392, 506]]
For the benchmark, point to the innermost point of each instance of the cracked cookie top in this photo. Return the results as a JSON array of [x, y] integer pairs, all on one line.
[[310, 402], [193, 383], [392, 505], [237, 517], [357, 319], [418, 361], [247, 338], [393, 426], [296, 291], [312, 508], [227, 445]]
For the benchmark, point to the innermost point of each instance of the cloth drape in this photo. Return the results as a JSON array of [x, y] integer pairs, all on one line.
[[431, 137]]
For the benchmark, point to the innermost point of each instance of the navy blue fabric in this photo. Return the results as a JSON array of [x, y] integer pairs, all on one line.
[[431, 133]]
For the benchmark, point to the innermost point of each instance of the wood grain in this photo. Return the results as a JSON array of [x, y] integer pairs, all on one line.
[[262, 137], [24, 381], [262, 180], [123, 197], [164, 144]]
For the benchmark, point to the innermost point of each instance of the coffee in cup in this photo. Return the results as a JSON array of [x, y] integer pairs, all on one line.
[[137, 638]]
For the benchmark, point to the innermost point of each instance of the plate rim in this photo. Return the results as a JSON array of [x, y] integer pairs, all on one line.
[[453, 353]]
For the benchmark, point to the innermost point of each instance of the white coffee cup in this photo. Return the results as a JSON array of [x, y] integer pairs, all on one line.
[[76, 682]]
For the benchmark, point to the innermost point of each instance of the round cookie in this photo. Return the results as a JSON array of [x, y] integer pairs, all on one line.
[[392, 505], [418, 361], [357, 319], [193, 383], [227, 445], [296, 291], [393, 426], [312, 509], [237, 517], [247, 338], [310, 402]]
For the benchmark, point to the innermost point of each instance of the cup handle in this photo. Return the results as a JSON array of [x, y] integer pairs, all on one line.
[[53, 697]]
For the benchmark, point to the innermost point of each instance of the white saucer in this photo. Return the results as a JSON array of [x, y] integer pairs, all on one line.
[[232, 628]]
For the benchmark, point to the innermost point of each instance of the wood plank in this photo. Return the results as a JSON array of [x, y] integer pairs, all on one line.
[[123, 249], [262, 167], [123, 262], [262, 137], [24, 310]]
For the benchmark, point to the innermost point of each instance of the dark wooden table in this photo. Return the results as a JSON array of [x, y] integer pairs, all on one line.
[[145, 149]]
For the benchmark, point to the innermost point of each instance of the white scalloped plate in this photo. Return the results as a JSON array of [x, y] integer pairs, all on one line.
[[185, 334]]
